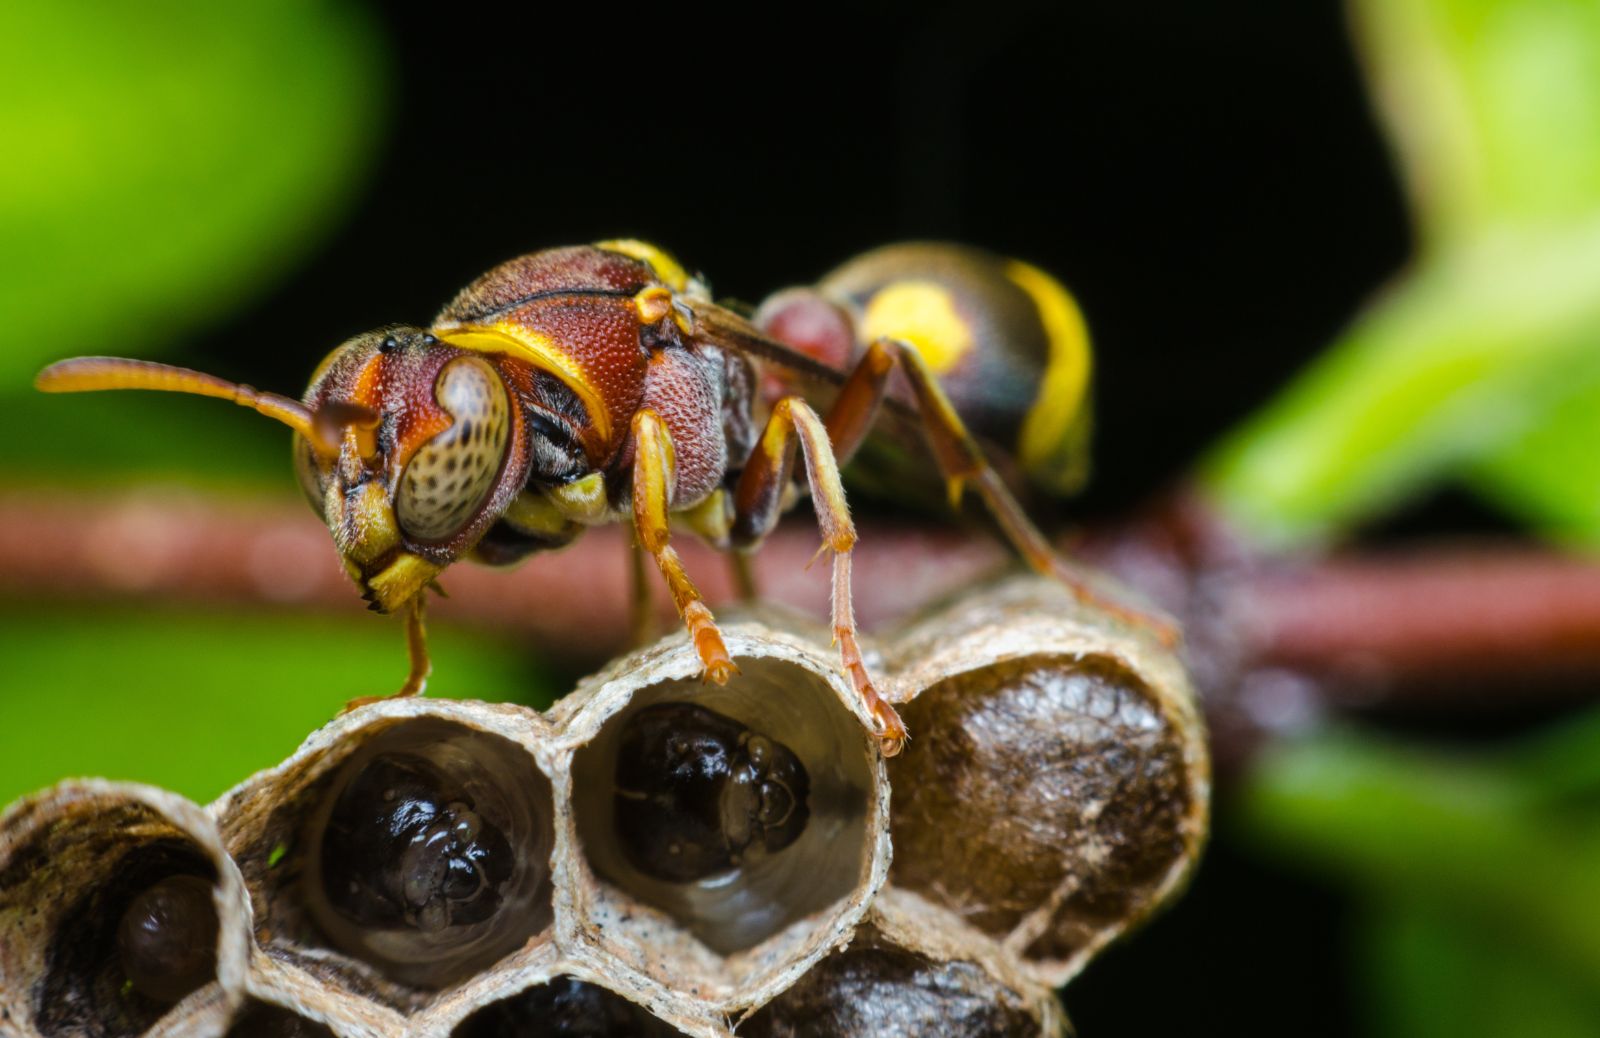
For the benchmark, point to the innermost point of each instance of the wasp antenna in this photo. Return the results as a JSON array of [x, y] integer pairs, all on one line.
[[91, 374], [334, 417]]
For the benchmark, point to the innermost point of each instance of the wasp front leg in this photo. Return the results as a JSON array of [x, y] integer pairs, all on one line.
[[759, 498], [963, 463], [416, 650], [653, 481]]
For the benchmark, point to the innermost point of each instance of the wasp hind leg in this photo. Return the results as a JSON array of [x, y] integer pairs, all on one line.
[[417, 650], [652, 496], [642, 627], [743, 575], [962, 461], [759, 498]]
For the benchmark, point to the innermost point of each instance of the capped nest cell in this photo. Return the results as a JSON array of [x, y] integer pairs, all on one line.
[[654, 856], [120, 913], [1058, 792]]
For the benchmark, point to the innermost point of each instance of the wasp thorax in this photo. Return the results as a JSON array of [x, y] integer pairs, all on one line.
[[564, 1008], [451, 476], [167, 939], [698, 793], [431, 853]]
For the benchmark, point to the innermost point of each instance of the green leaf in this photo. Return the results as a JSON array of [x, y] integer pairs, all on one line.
[[1494, 108], [1493, 105], [166, 160], [138, 438], [1509, 841], [1550, 473], [1459, 360], [195, 702], [1433, 974]]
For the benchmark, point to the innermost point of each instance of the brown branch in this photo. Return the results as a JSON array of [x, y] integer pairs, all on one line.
[[1472, 612], [176, 546], [1361, 625]]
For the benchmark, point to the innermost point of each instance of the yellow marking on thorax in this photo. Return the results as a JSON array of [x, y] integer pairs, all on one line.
[[1054, 433], [553, 510], [711, 519], [532, 512], [668, 269], [923, 314], [541, 353]]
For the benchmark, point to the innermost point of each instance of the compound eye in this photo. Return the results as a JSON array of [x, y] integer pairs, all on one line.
[[451, 476]]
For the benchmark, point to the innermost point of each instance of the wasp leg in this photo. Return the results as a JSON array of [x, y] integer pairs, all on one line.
[[652, 495], [962, 461], [744, 575], [417, 648], [757, 501], [641, 609]]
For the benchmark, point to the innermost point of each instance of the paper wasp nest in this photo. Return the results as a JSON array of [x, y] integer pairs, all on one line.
[[653, 856]]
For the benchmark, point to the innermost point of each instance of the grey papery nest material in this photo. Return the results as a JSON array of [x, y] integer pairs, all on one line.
[[441, 867]]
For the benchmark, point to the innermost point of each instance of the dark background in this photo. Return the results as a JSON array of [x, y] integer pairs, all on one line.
[[1207, 178]]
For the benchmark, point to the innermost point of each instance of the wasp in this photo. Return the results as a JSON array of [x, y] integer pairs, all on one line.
[[586, 385]]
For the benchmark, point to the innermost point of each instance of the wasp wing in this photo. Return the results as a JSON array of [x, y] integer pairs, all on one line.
[[895, 452], [731, 331]]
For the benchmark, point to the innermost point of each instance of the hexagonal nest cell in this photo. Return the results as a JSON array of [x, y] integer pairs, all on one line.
[[655, 855], [562, 1007], [265, 1020], [731, 831], [403, 850], [118, 908]]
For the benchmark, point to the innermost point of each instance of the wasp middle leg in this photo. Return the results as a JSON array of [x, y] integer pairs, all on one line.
[[963, 463], [758, 499]]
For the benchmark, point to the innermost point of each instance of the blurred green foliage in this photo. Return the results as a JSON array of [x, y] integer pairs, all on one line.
[[1481, 362], [1482, 871], [195, 701], [167, 160], [1437, 974]]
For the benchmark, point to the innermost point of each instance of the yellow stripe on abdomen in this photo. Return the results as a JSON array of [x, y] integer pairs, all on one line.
[[922, 313], [1054, 442]]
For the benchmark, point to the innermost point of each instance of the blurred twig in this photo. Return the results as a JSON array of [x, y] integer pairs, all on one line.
[[1367, 628]]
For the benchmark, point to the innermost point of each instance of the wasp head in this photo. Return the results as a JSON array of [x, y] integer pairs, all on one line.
[[409, 448], [415, 460]]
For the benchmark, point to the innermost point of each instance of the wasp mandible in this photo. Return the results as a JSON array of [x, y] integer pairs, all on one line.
[[579, 386]]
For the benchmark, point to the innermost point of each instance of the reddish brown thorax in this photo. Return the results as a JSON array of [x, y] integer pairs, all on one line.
[[575, 304]]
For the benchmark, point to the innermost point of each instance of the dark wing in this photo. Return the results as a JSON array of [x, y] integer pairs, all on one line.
[[731, 331]]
